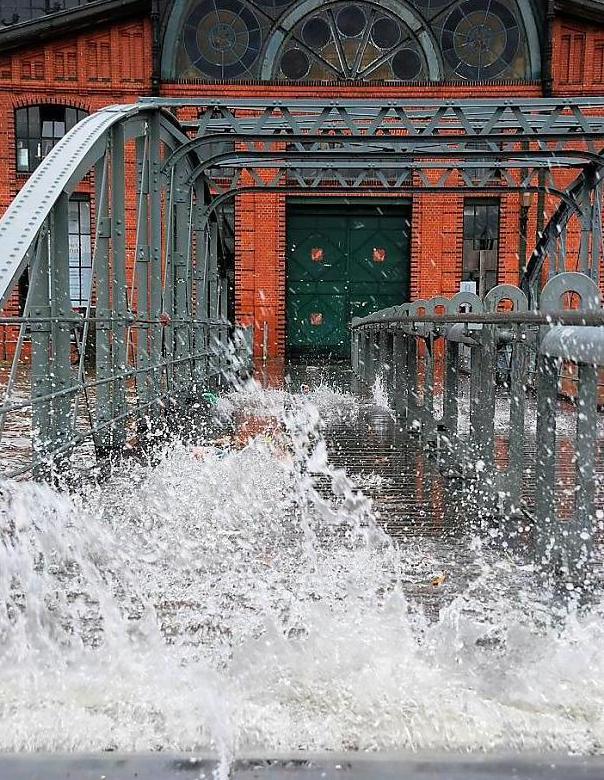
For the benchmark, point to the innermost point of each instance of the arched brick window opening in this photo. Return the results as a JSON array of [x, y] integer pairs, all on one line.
[[352, 40]]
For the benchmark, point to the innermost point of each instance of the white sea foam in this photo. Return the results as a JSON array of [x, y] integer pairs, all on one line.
[[228, 603]]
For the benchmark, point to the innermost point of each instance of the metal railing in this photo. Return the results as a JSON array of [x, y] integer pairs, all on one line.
[[154, 333], [428, 349]]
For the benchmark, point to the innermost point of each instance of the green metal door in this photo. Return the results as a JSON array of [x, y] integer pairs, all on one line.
[[342, 262]]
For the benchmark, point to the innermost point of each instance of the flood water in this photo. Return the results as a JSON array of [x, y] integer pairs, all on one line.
[[254, 594]]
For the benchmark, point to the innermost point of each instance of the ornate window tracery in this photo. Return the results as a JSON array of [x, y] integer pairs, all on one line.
[[353, 40]]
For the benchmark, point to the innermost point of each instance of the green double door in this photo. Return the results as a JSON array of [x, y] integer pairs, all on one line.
[[342, 262]]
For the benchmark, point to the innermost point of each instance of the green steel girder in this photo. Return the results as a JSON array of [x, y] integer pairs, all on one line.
[[165, 332]]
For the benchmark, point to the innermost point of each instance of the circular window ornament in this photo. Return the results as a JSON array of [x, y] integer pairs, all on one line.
[[316, 33], [406, 65], [295, 64], [480, 39], [351, 21], [222, 42], [350, 42], [385, 33]]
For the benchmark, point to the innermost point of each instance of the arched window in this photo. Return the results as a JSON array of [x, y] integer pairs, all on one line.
[[37, 130], [352, 40]]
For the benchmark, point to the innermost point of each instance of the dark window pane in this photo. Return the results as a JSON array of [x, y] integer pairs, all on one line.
[[295, 64], [351, 21], [21, 123], [34, 122], [316, 32], [385, 33], [406, 65], [35, 153]]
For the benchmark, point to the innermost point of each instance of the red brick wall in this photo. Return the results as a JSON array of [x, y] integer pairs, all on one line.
[[260, 268], [112, 64], [577, 58]]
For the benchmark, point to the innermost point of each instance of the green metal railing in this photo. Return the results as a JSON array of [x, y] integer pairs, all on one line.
[[461, 340]]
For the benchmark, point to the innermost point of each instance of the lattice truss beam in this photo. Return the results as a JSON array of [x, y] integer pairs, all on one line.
[[155, 330], [495, 146]]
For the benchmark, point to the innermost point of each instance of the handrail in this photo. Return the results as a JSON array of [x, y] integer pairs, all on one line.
[[410, 350]]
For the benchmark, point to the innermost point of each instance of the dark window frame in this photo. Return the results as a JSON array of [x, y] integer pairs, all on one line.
[[481, 234], [38, 128]]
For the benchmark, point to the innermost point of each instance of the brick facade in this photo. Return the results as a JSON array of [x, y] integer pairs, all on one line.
[[113, 64]]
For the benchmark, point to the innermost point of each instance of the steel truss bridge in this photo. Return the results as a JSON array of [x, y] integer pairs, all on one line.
[[162, 336]]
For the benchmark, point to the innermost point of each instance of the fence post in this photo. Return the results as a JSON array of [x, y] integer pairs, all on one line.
[[401, 386], [39, 295], [429, 420], [545, 467], [586, 454], [414, 420], [518, 388], [451, 388]]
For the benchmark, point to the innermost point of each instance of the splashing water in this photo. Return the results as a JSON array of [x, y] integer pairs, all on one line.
[[379, 393], [233, 603]]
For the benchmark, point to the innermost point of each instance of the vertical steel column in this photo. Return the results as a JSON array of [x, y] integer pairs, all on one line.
[[401, 385], [390, 363], [518, 383], [168, 284], [104, 402], [155, 235], [587, 436], [60, 304], [367, 356], [39, 296], [385, 355], [144, 383], [596, 234], [414, 417], [374, 355], [476, 381], [120, 285], [429, 421], [213, 282], [451, 388], [586, 228], [354, 351], [545, 473], [221, 330], [487, 398], [180, 279], [200, 292]]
